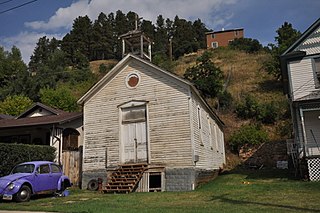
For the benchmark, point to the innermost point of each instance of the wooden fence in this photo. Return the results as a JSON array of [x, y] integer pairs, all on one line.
[[72, 161]]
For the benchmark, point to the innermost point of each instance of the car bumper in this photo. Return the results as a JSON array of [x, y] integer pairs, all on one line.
[[7, 194], [6, 197]]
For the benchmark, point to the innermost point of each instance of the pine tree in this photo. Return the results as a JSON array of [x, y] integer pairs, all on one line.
[[161, 37], [184, 37], [102, 37], [199, 33], [120, 27], [40, 54], [79, 40]]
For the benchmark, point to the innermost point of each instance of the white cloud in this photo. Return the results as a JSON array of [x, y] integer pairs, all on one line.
[[214, 13], [207, 10], [63, 17], [26, 42]]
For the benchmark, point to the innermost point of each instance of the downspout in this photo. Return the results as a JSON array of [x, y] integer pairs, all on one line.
[[191, 127], [303, 133]]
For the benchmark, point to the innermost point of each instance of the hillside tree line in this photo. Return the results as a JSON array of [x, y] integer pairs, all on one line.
[[58, 72]]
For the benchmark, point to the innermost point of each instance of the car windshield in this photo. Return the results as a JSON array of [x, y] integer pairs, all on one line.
[[25, 168]]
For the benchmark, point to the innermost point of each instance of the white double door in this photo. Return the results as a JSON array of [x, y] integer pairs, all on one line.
[[134, 142]]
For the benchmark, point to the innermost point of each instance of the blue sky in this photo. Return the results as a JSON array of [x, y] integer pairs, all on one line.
[[260, 19]]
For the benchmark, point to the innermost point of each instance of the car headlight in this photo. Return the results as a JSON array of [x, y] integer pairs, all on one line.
[[11, 186]]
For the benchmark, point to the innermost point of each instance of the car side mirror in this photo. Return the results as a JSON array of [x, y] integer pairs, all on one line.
[[36, 173]]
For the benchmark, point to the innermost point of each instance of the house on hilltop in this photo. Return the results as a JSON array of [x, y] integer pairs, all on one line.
[[223, 38], [139, 115], [300, 65]]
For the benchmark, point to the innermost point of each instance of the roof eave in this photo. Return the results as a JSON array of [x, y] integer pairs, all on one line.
[[100, 83], [302, 37]]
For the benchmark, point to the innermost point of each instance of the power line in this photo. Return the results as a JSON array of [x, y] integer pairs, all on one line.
[[21, 5], [5, 2]]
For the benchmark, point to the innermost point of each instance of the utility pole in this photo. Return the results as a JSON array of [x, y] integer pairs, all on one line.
[[170, 47]]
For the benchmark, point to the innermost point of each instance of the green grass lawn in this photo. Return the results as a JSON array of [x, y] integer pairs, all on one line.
[[237, 191]]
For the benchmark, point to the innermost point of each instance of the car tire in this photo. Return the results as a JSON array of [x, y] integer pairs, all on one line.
[[63, 186], [24, 194], [93, 185]]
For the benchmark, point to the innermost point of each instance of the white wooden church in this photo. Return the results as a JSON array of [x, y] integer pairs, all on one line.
[[146, 129]]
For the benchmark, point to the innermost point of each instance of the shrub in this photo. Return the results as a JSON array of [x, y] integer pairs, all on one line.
[[284, 129], [102, 68], [268, 113], [225, 100], [247, 135], [248, 45], [248, 109], [13, 154]]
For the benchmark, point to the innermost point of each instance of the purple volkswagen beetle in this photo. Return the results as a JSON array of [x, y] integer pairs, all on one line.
[[36, 177]]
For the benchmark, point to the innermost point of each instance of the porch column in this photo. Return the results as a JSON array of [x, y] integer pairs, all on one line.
[[56, 141]]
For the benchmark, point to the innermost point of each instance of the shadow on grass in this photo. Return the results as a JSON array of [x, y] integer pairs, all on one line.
[[263, 173], [271, 86], [223, 198], [33, 197]]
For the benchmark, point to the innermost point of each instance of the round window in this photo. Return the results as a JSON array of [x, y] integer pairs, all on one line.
[[132, 80]]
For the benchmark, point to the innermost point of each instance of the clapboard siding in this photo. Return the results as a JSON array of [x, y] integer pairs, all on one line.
[[299, 137], [302, 66], [302, 78], [208, 140], [312, 124], [168, 119]]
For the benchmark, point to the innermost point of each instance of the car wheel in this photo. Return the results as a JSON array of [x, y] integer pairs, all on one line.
[[93, 185], [63, 186], [23, 194]]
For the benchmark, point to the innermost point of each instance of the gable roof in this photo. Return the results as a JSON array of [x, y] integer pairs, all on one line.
[[307, 44], [57, 117], [40, 120], [95, 88], [3, 116], [309, 41], [38, 105]]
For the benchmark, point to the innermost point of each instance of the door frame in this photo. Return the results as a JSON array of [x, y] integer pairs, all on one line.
[[130, 104]]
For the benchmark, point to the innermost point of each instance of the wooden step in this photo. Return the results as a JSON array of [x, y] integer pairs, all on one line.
[[119, 187], [121, 183], [128, 177], [125, 178]]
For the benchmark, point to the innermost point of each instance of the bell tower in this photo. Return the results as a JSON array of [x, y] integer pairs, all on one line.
[[136, 42]]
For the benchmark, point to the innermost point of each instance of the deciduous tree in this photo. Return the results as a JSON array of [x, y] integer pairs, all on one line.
[[206, 76], [286, 36], [15, 105], [60, 98]]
